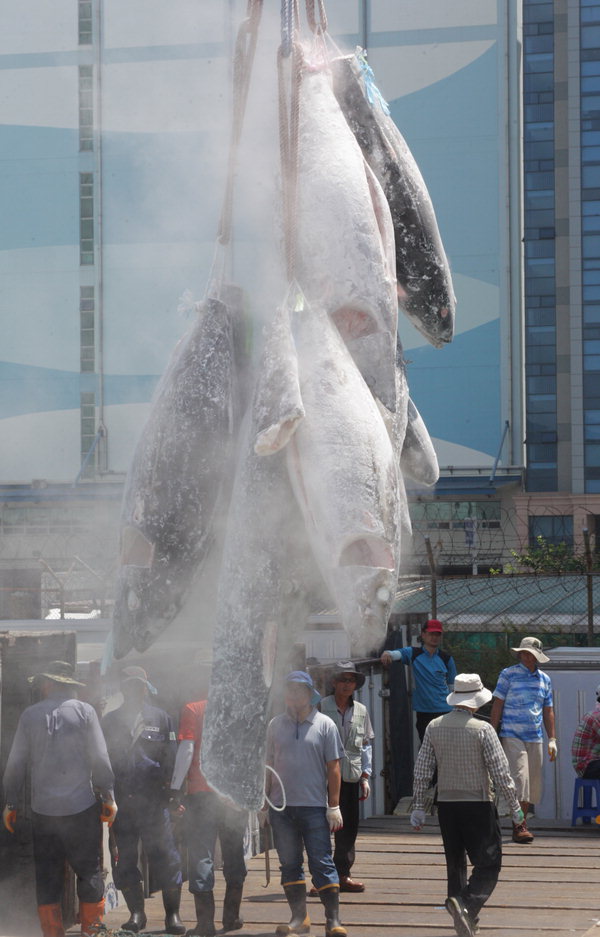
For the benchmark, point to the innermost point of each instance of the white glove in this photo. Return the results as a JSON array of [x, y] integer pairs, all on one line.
[[334, 818], [517, 816], [552, 749], [417, 819], [365, 788]]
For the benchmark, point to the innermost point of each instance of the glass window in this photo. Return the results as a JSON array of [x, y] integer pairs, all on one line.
[[539, 62], [542, 404], [590, 37], [541, 385], [591, 315], [540, 423], [555, 529], [542, 199], [541, 130], [590, 176]]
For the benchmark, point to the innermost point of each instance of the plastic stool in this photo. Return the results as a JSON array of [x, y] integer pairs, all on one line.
[[587, 812]]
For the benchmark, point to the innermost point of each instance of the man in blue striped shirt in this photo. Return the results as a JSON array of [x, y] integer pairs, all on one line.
[[522, 704]]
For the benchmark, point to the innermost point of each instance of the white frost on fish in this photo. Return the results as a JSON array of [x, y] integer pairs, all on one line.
[[418, 459], [345, 238], [345, 477], [278, 404]]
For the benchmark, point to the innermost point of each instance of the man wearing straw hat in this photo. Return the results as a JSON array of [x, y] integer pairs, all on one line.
[[522, 702], [60, 742], [468, 756]]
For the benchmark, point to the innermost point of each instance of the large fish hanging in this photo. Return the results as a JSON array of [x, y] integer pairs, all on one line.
[[344, 234], [173, 486], [425, 290]]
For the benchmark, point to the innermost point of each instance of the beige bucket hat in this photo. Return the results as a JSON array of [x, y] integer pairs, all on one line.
[[535, 647]]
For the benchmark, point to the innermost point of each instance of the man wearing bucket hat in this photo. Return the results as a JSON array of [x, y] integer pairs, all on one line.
[[466, 753], [60, 742], [304, 749], [522, 703], [356, 731], [142, 747]]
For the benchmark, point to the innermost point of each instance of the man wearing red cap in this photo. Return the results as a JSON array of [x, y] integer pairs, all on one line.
[[433, 672]]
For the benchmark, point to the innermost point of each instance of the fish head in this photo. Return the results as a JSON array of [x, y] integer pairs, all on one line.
[[364, 596], [147, 600], [429, 304]]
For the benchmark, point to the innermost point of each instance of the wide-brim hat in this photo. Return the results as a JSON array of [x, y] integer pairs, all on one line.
[[469, 691], [60, 671], [535, 647], [346, 666], [137, 673], [300, 676]]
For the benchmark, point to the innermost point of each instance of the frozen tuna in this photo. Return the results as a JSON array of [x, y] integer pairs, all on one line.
[[175, 480], [345, 239], [345, 477], [258, 604], [425, 290]]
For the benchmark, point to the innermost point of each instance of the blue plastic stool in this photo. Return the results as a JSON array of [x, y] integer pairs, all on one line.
[[587, 812]]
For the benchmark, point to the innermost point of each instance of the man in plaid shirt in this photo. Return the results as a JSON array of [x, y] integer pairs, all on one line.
[[585, 750], [468, 756]]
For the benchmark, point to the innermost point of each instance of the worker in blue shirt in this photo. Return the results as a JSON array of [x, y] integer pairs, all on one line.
[[433, 672], [142, 747]]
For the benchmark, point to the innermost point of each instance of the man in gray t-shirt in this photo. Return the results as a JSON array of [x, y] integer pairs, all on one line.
[[59, 740], [304, 748]]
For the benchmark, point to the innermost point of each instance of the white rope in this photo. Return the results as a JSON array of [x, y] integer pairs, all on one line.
[[283, 806]]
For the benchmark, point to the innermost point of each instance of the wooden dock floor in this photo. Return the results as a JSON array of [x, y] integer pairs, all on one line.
[[550, 888]]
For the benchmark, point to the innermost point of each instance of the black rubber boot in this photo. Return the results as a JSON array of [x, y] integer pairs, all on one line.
[[205, 915], [231, 907], [171, 901], [300, 921], [331, 902], [134, 898]]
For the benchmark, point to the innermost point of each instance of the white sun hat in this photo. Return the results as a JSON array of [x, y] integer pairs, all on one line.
[[469, 691]]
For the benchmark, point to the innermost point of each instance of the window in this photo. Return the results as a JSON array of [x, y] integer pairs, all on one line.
[[555, 529], [88, 430], [86, 107], [85, 22], [86, 218], [87, 326]]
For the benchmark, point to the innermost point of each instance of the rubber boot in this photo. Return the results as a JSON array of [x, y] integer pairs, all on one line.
[[205, 915], [331, 902], [171, 901], [300, 921], [91, 914], [231, 907], [134, 898], [50, 916]]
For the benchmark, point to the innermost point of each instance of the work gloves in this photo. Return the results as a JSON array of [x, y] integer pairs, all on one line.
[[9, 818], [552, 749], [334, 818], [365, 788], [417, 819], [108, 812]]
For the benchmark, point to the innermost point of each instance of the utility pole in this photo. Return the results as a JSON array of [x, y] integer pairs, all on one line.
[[589, 587]]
